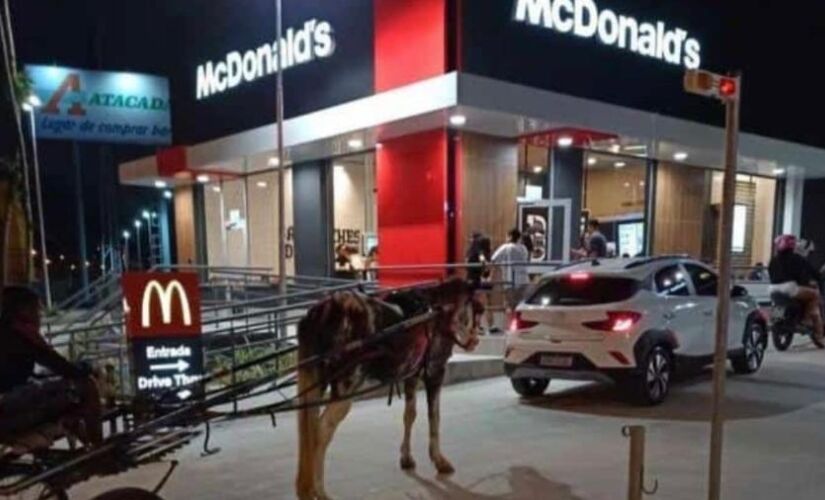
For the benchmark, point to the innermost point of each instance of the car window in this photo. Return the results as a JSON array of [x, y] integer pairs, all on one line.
[[671, 281], [705, 281], [583, 290]]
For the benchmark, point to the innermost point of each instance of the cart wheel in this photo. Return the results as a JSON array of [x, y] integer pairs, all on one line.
[[128, 494]]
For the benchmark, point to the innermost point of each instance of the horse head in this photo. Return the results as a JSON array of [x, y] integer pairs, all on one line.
[[461, 311]]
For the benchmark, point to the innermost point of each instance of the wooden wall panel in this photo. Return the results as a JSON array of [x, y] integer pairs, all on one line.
[[489, 188], [613, 192], [681, 203], [185, 226]]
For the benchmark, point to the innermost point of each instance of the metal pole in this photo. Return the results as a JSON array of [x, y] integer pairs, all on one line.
[[39, 192], [279, 105], [247, 236], [723, 309], [81, 217], [139, 249]]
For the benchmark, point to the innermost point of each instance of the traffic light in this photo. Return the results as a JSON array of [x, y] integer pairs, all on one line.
[[728, 88], [709, 84]]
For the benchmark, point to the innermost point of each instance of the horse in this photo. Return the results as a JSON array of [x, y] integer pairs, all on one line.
[[341, 346]]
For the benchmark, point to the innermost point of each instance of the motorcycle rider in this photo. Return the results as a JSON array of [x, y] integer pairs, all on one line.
[[792, 275]]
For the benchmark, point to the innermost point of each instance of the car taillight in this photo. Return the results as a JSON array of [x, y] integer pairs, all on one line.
[[617, 322], [518, 323]]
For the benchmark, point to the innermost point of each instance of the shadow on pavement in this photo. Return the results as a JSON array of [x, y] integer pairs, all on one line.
[[521, 483], [775, 390]]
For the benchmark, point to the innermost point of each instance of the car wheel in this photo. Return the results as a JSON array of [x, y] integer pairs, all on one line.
[[530, 387], [782, 337], [652, 385], [754, 345]]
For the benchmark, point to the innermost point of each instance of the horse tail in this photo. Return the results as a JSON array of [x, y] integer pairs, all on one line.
[[309, 392]]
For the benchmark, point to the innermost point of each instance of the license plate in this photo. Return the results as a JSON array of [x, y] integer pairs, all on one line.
[[557, 361]]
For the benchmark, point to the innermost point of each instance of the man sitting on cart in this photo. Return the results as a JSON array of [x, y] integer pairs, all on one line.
[[28, 404]]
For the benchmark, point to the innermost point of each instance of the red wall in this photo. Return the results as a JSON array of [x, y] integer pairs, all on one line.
[[412, 195], [410, 41]]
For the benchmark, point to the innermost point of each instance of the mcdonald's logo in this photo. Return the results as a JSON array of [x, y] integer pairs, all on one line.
[[161, 304]]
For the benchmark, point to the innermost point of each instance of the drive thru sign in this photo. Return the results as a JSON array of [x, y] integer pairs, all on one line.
[[162, 313]]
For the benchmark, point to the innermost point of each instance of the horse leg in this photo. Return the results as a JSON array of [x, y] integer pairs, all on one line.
[[333, 415], [410, 386], [433, 387], [308, 387]]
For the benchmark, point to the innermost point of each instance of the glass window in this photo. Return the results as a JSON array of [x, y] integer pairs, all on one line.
[[593, 290], [671, 281], [705, 281]]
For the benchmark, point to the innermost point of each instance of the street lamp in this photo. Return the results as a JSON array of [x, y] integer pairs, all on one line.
[[30, 106], [138, 224]]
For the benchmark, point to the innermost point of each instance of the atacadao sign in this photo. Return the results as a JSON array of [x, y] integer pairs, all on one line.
[[101, 106]]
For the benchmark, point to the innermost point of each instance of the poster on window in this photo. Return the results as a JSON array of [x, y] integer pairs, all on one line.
[[535, 226]]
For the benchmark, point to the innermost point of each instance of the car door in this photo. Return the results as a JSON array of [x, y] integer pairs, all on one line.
[[680, 310], [706, 285]]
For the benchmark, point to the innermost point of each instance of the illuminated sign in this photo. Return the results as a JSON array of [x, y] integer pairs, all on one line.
[[584, 19], [101, 106], [162, 312], [314, 40]]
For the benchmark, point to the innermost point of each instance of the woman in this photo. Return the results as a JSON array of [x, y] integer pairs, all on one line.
[[479, 276]]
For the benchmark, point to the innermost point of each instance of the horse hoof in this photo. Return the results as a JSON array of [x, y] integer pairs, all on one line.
[[444, 467], [407, 463]]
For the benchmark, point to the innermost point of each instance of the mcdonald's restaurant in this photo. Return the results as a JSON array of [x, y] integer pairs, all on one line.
[[408, 126]]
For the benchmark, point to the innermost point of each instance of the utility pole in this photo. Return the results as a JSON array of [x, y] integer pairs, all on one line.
[[279, 111], [729, 91]]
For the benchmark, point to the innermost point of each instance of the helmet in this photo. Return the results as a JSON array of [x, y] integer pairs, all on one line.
[[785, 242]]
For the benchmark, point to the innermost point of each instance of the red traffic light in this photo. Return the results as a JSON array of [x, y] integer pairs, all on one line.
[[727, 87]]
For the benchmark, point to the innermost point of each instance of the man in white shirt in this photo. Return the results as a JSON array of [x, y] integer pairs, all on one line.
[[508, 254]]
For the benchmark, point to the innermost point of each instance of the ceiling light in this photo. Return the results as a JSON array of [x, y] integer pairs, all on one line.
[[126, 234], [167, 194], [537, 169], [565, 141], [615, 148], [273, 161], [355, 143], [642, 183], [216, 189], [203, 178], [261, 184], [680, 156], [458, 120], [592, 161], [138, 223], [627, 184], [378, 145], [620, 164], [779, 171], [160, 184]]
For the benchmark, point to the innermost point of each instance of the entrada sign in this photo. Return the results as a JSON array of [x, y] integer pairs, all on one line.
[[164, 330], [299, 46], [584, 19]]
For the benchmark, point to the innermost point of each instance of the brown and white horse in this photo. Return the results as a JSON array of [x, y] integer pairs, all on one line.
[[342, 335]]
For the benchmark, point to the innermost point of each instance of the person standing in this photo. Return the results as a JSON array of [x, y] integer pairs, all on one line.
[[513, 258], [478, 255], [596, 243]]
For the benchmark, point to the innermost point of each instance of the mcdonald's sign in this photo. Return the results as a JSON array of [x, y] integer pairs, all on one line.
[[161, 305]]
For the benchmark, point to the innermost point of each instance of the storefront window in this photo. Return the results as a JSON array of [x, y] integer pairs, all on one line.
[[355, 236], [615, 194]]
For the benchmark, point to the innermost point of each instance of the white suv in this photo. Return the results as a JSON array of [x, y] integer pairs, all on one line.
[[630, 321]]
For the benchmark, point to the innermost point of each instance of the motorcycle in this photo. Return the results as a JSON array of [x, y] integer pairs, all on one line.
[[788, 320]]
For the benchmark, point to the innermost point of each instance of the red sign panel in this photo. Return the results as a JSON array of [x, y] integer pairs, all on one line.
[[160, 305]]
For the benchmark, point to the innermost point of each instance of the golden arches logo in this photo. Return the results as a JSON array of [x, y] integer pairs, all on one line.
[[165, 295]]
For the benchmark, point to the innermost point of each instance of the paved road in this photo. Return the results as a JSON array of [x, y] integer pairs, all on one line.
[[565, 446]]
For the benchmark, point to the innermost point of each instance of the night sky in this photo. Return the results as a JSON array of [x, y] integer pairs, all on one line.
[[778, 45]]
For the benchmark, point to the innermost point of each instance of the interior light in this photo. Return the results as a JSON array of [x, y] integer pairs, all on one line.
[[458, 120], [592, 161], [160, 184], [537, 169], [779, 171], [126, 235], [203, 178], [565, 141], [355, 143], [261, 184], [216, 189], [620, 164], [378, 145], [616, 148], [273, 161], [680, 156], [627, 184], [167, 194]]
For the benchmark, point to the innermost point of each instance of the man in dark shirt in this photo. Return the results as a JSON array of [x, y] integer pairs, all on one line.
[[597, 243], [26, 404], [797, 278]]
